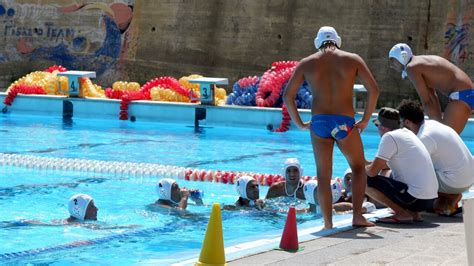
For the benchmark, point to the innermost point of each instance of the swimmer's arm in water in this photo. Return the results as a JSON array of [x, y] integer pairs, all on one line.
[[230, 207], [274, 191], [68, 222], [197, 201], [94, 225], [373, 92], [183, 202], [289, 95], [342, 207], [9, 224], [428, 95], [259, 204], [107, 227]]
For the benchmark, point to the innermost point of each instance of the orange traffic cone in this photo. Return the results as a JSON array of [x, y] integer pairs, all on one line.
[[289, 239]]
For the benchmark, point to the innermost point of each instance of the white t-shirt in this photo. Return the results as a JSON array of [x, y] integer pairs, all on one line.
[[410, 162], [451, 158]]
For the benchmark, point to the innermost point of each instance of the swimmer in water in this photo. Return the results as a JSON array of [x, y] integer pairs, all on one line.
[[170, 195], [292, 186], [311, 195], [249, 194], [81, 208]]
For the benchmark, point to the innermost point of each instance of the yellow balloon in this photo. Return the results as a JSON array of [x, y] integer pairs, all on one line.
[[127, 86]]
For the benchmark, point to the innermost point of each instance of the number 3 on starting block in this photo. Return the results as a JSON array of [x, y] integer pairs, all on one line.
[[207, 88], [206, 92]]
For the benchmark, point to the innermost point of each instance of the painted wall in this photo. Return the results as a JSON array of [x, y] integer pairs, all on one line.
[[78, 35], [140, 39]]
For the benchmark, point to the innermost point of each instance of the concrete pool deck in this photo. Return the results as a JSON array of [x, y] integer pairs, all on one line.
[[436, 241]]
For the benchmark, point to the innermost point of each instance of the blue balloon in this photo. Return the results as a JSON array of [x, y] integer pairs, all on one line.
[[243, 96]]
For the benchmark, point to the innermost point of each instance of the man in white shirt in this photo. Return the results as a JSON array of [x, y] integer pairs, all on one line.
[[412, 185], [452, 160]]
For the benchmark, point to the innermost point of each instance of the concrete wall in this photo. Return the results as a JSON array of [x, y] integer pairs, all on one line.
[[138, 40]]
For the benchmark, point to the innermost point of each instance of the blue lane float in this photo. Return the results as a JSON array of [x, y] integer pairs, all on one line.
[[244, 94]]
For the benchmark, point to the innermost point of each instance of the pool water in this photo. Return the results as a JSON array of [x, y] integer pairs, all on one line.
[[160, 236]]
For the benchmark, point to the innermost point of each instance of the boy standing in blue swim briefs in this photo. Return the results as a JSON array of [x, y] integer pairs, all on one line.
[[331, 73], [430, 73]]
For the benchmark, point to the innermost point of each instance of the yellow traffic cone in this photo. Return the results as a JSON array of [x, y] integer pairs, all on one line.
[[212, 252]]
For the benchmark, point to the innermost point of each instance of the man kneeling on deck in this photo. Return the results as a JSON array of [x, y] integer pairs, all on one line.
[[452, 160], [412, 185]]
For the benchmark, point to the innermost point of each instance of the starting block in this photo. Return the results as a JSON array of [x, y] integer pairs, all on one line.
[[207, 88], [73, 80], [357, 89]]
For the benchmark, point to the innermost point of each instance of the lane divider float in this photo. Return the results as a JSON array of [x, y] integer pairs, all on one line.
[[135, 169]]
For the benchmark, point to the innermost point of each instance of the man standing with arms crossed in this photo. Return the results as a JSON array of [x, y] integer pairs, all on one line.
[[331, 74]]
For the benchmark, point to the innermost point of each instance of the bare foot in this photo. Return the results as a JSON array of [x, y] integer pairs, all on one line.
[[453, 201], [416, 216], [360, 221], [327, 226]]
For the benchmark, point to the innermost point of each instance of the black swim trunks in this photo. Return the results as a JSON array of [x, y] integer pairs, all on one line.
[[398, 193]]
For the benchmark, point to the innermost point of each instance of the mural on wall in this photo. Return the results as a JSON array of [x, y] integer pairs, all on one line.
[[457, 31], [86, 36]]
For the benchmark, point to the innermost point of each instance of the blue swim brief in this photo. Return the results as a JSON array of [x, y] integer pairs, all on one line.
[[332, 126], [466, 96]]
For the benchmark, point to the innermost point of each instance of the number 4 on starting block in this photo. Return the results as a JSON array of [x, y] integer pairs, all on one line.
[[73, 80]]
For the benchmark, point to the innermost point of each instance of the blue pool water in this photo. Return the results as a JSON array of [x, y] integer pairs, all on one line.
[[159, 236]]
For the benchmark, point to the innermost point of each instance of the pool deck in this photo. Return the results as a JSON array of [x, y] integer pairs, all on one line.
[[436, 241]]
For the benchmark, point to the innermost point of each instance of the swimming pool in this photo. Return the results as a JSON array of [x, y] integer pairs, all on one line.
[[122, 199]]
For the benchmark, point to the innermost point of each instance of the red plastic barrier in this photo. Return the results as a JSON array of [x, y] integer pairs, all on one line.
[[272, 82], [285, 120], [248, 81], [51, 69], [228, 177], [168, 83], [23, 89]]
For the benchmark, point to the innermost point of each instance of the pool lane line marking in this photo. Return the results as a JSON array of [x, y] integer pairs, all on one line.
[[240, 158], [146, 232], [82, 145], [19, 189], [89, 242], [312, 233], [133, 169]]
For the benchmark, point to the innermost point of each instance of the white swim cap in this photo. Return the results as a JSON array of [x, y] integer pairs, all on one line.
[[336, 189], [369, 206], [292, 162], [402, 52], [348, 171], [163, 188], [241, 185], [78, 205], [308, 189], [310, 186], [327, 33]]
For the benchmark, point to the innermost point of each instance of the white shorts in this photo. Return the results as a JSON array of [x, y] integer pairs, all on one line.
[[447, 189]]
